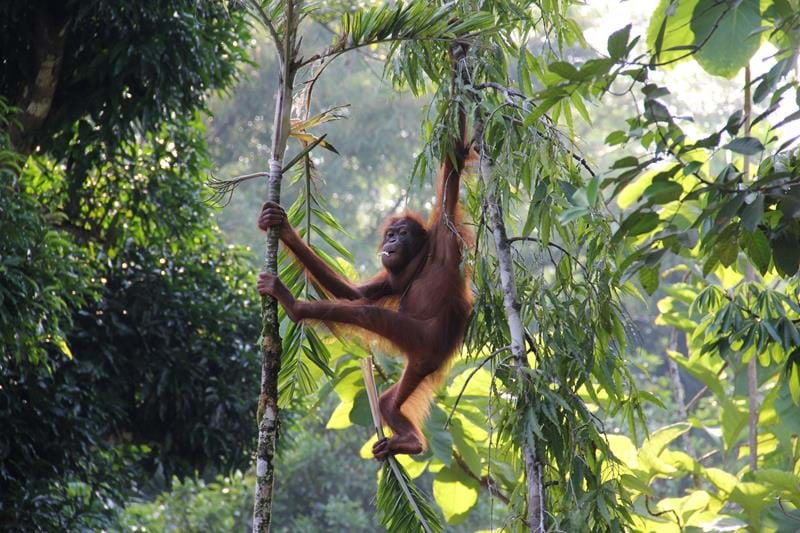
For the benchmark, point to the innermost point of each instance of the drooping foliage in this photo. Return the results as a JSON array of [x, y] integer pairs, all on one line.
[[576, 258], [574, 323]]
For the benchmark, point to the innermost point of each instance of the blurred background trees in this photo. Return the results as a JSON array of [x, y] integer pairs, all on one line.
[[127, 353]]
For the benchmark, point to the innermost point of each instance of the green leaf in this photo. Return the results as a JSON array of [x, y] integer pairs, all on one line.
[[637, 223], [728, 250], [395, 512], [648, 277], [616, 137], [465, 447], [360, 413], [63, 346], [669, 33], [751, 214], [456, 493], [626, 162], [756, 246], [786, 252], [340, 417], [662, 192], [734, 420], [439, 440], [726, 34], [618, 42], [564, 69], [662, 437], [745, 146]]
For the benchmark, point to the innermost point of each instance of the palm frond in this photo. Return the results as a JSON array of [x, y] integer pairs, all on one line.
[[402, 507]]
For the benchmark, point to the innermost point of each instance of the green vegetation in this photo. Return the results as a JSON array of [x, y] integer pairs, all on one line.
[[654, 244]]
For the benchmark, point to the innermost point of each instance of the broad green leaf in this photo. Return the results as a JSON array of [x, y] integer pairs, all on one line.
[[745, 146], [734, 420], [686, 506], [651, 449], [786, 252], [360, 413], [750, 495], [634, 190], [669, 34], [662, 192], [726, 34], [616, 137], [637, 223], [413, 467], [721, 479], [779, 479], [456, 493], [439, 440], [365, 452], [340, 418], [751, 214], [623, 449], [466, 448], [756, 246], [478, 385], [618, 42], [727, 250]]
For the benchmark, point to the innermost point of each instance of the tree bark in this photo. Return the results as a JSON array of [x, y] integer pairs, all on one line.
[[752, 369], [36, 98], [271, 343], [533, 466]]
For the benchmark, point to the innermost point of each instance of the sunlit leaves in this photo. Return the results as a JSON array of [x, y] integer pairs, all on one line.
[[455, 493], [726, 35], [720, 36]]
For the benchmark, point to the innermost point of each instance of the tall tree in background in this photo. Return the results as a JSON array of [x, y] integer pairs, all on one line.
[[116, 372]]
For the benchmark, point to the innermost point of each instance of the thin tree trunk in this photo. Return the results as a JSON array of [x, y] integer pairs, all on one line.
[[270, 335], [533, 466], [678, 390], [752, 369]]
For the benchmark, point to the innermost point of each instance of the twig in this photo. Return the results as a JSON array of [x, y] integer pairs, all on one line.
[[508, 93], [223, 189], [557, 246], [696, 48], [701, 392], [372, 395], [466, 382], [659, 513], [486, 481]]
